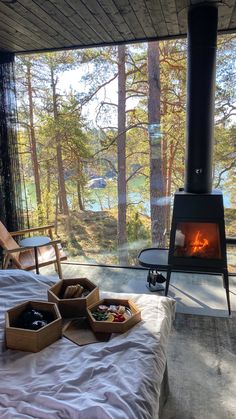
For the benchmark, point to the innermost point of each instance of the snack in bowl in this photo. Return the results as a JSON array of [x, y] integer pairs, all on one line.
[[33, 319], [111, 313], [73, 291]]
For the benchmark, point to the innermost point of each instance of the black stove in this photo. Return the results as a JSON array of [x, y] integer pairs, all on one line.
[[197, 238]]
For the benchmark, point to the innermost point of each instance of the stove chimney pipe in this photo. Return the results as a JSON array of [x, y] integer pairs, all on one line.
[[202, 44]]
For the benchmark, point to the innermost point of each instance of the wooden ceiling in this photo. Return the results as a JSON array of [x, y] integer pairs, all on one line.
[[40, 25]]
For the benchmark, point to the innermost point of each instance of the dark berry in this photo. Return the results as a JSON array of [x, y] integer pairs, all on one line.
[[37, 315], [37, 324]]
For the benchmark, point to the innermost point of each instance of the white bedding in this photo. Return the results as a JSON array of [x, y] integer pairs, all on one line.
[[117, 379]]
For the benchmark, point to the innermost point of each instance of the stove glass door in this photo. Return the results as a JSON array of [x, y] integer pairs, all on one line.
[[197, 240]]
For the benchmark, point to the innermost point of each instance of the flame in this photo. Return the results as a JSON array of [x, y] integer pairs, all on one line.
[[199, 243]]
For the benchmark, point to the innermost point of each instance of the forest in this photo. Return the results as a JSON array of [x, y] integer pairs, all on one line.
[[101, 138]]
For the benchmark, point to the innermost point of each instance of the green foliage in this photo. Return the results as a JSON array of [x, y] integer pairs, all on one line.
[[136, 227]]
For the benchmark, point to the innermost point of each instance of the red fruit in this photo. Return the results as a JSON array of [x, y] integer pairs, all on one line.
[[122, 318], [119, 318]]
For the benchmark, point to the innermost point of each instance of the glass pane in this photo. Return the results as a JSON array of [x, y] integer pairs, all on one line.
[[198, 240], [70, 142]]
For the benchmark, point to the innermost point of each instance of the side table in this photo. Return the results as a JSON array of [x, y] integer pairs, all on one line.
[[35, 242]]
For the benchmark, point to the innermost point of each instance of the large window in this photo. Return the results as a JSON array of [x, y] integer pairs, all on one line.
[[102, 143]]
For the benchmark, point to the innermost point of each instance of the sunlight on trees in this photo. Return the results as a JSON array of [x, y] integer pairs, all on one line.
[[92, 160]]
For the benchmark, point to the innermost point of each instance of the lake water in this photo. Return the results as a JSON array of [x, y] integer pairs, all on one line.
[[136, 197]]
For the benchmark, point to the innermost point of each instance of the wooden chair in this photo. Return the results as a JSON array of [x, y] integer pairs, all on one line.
[[24, 257]]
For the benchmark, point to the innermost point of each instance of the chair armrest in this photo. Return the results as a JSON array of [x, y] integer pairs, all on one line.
[[30, 230], [17, 249], [22, 249]]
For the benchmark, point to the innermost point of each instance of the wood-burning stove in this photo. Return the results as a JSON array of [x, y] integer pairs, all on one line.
[[197, 239]]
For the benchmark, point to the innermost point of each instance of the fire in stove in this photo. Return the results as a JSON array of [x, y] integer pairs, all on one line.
[[198, 240], [199, 243]]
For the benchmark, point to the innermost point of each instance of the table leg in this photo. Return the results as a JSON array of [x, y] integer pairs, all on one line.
[[36, 260], [167, 281]]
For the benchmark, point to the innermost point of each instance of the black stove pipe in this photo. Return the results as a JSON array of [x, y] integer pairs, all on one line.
[[202, 44]]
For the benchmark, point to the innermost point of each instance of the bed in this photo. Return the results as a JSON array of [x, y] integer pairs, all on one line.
[[122, 378]]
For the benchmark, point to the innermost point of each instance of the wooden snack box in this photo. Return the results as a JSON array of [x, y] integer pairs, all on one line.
[[73, 307], [32, 340], [114, 327]]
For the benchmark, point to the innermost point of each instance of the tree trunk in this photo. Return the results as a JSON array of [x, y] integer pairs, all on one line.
[[156, 175], [168, 193], [61, 177], [121, 158], [79, 188], [33, 147], [166, 173], [48, 183]]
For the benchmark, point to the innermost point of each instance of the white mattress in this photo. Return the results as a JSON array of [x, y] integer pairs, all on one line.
[[117, 379]]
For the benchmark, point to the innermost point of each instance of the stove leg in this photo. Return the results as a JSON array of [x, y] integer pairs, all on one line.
[[226, 286], [167, 281]]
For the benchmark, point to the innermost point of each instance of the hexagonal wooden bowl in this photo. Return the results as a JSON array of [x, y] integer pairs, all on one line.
[[114, 327], [73, 307], [32, 340]]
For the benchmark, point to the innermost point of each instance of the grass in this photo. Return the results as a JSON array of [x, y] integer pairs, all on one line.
[[94, 237]]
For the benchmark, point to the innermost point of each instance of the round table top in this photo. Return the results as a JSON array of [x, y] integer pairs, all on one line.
[[153, 258], [34, 241]]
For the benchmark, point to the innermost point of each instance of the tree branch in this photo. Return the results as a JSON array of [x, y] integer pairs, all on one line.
[[232, 164], [91, 95]]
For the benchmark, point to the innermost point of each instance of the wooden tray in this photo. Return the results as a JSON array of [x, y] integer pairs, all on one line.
[[32, 340], [114, 327], [73, 307]]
